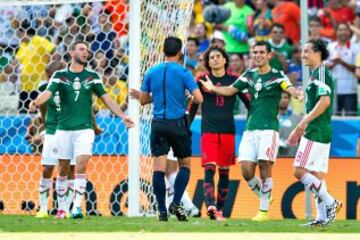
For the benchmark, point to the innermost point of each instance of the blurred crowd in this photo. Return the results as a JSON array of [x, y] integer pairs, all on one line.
[[33, 36]]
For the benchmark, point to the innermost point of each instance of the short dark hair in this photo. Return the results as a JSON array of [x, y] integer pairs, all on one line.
[[319, 45], [195, 40], [206, 56], [315, 19], [73, 46], [277, 25], [172, 45], [263, 43]]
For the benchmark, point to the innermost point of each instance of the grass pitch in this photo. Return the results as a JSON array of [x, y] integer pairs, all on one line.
[[25, 223]]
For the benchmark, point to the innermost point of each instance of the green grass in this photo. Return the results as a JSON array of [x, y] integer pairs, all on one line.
[[22, 223]]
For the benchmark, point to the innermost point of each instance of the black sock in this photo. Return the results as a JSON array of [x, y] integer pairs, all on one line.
[[159, 189], [209, 185], [181, 182], [223, 188]]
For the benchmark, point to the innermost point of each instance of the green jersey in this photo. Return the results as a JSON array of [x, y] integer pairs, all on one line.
[[321, 84], [265, 90], [283, 49], [75, 91], [53, 110]]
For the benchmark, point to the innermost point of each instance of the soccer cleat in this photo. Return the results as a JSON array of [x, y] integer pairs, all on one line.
[[76, 213], [314, 223], [68, 215], [179, 211], [61, 214], [338, 205], [211, 212], [193, 212], [332, 210], [219, 216], [163, 217], [261, 217], [42, 214]]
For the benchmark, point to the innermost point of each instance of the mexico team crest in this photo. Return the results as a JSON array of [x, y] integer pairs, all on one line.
[[76, 84]]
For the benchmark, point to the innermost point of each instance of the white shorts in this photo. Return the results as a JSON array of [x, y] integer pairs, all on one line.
[[48, 157], [259, 145], [70, 144], [171, 156], [313, 156]]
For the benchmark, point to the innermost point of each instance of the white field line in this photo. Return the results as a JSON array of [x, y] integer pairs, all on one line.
[[178, 236]]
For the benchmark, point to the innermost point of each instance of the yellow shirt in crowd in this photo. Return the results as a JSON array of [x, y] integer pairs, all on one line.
[[33, 56], [117, 92]]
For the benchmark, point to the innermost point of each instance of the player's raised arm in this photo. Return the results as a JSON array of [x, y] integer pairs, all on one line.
[[224, 91], [41, 99], [296, 93], [115, 108], [197, 96]]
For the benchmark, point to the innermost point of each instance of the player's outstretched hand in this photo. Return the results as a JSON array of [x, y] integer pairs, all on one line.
[[32, 106], [293, 138], [297, 133], [128, 122], [135, 94], [208, 85], [300, 94]]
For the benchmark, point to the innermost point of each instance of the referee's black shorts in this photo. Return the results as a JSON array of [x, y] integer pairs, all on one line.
[[167, 133]]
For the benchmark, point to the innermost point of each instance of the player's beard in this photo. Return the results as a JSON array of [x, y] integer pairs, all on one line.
[[79, 61]]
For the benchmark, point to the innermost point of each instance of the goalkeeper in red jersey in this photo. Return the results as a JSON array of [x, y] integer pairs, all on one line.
[[218, 130]]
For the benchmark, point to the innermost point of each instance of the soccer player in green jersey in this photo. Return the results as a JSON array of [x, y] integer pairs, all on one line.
[[50, 115], [74, 135], [260, 139], [311, 160]]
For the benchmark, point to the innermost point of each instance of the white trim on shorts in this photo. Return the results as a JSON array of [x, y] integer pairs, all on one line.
[[313, 156], [259, 145]]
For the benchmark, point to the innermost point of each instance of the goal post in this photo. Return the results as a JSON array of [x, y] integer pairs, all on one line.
[[134, 108]]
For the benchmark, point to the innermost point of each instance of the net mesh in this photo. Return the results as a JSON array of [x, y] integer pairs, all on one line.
[[34, 33]]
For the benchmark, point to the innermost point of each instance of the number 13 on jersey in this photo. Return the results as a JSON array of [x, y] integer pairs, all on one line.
[[220, 100]]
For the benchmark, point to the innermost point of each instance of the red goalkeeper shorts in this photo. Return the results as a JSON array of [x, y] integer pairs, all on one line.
[[218, 149]]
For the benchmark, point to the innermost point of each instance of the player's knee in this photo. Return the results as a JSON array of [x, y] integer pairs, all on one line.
[[247, 173], [81, 168], [184, 162], [299, 173], [171, 167], [63, 171], [210, 168], [223, 172], [47, 171], [71, 174]]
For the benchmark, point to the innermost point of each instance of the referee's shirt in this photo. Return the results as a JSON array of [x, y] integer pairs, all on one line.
[[167, 83]]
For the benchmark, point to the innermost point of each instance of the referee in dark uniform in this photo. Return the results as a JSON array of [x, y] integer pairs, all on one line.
[[164, 85]]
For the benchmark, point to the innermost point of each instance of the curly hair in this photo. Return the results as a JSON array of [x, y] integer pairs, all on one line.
[[206, 56]]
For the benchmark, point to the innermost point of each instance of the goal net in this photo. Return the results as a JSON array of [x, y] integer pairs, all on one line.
[[35, 33]]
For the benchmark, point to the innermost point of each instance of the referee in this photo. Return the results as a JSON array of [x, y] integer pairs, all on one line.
[[164, 85]]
